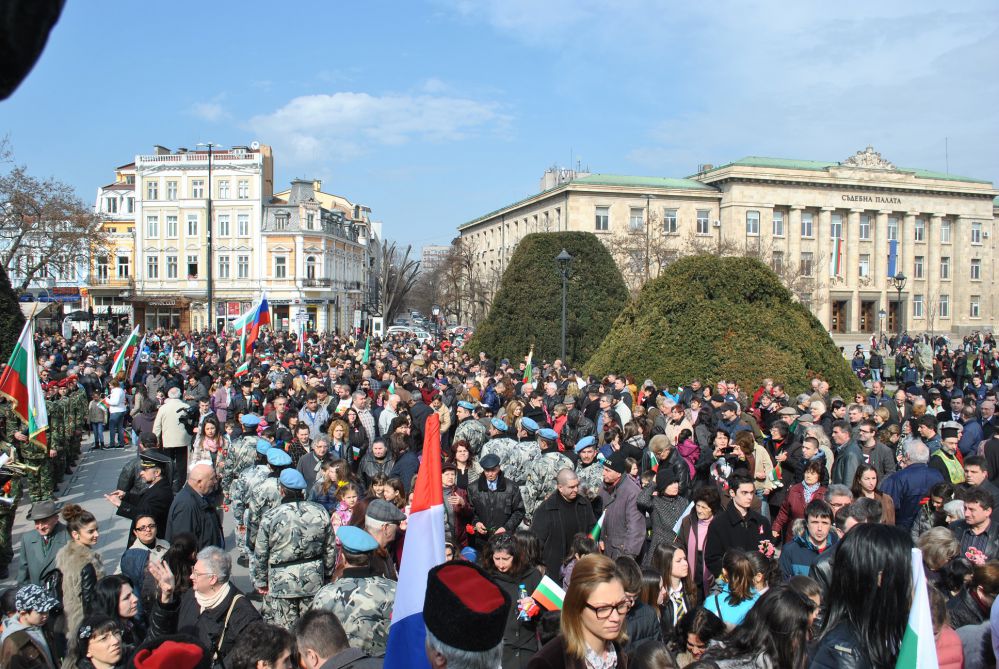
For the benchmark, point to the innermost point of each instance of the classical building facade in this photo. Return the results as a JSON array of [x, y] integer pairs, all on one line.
[[835, 232], [110, 283]]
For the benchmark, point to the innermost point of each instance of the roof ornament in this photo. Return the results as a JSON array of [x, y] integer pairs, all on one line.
[[869, 159]]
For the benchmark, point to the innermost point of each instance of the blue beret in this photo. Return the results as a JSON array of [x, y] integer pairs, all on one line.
[[529, 424], [548, 434], [355, 540], [250, 420], [263, 446], [278, 458], [499, 424], [292, 479], [585, 442], [466, 405]]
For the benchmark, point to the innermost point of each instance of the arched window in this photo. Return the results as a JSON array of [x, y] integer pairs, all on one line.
[[310, 267]]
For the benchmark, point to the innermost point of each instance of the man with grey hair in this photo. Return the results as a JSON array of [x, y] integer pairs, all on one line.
[[213, 609], [389, 413], [173, 435], [382, 521], [910, 485], [361, 405]]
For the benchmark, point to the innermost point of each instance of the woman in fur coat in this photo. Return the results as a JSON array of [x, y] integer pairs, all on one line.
[[79, 565]]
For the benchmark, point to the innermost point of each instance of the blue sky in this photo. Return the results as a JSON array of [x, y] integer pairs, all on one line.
[[433, 112]]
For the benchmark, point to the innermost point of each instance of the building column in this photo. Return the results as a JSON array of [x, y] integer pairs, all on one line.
[[851, 257], [823, 306], [961, 288], [879, 263], [793, 233], [906, 262]]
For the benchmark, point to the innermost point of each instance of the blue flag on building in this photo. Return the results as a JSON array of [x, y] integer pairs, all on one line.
[[892, 257]]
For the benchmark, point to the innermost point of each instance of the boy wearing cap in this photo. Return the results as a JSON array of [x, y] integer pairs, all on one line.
[[26, 643], [295, 552]]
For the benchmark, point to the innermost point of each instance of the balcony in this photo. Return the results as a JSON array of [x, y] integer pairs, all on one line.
[[111, 281], [317, 283]]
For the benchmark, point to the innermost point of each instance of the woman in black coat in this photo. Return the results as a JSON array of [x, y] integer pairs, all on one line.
[[505, 563]]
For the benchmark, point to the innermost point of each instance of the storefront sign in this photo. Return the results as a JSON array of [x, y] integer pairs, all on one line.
[[872, 199]]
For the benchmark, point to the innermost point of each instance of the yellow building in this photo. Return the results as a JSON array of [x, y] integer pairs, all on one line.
[[111, 282]]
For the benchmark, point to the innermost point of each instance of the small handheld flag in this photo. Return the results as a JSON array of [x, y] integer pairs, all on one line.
[[549, 594], [599, 527]]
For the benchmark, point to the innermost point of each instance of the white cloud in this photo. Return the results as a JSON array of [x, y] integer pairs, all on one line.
[[210, 111], [347, 124]]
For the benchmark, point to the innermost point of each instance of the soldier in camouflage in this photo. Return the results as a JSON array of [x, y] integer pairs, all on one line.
[[39, 482], [361, 599], [514, 457], [10, 488], [590, 468], [79, 402], [240, 454], [295, 553], [242, 488], [541, 472], [469, 428], [267, 495], [56, 434]]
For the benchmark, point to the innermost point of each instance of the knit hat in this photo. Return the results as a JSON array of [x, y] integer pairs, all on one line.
[[664, 477], [171, 652], [464, 608], [616, 463]]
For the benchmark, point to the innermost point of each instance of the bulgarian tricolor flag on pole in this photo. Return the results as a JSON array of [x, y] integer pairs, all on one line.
[[599, 527], [919, 649], [19, 384], [367, 351], [836, 262], [529, 369], [549, 594], [128, 349]]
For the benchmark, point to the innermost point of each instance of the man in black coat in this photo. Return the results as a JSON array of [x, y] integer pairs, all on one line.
[[192, 512], [564, 514], [738, 526], [496, 503], [155, 500]]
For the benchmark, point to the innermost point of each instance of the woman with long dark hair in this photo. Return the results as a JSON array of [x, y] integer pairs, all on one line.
[[180, 559], [678, 594], [869, 599], [115, 598], [504, 560], [694, 533], [867, 483], [80, 565], [95, 644], [736, 595]]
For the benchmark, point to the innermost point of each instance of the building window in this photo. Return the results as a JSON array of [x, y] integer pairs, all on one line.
[[976, 301], [636, 219], [777, 261], [945, 231], [130, 205], [703, 224], [603, 219], [111, 205], [223, 267], [223, 225], [152, 267], [152, 227], [917, 268], [865, 265], [944, 306], [945, 267], [310, 221], [197, 188], [865, 226], [242, 267], [778, 224], [171, 227], [919, 231], [102, 267], [976, 232], [171, 190], [224, 189], [753, 223], [892, 228], [310, 267], [171, 266], [976, 269], [917, 306], [669, 221], [243, 225], [192, 267], [243, 189], [152, 190], [280, 267], [836, 226], [123, 267], [806, 224], [192, 225], [807, 262]]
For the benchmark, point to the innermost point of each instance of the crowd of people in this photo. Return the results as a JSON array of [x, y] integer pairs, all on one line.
[[703, 525]]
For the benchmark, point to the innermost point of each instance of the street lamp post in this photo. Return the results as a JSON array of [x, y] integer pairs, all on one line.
[[564, 259], [208, 246], [882, 314], [898, 283]]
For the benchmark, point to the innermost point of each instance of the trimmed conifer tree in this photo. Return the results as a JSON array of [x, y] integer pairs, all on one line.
[[714, 318], [11, 318], [527, 308]]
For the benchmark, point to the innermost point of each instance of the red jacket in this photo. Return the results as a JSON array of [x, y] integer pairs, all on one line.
[[793, 508], [950, 652]]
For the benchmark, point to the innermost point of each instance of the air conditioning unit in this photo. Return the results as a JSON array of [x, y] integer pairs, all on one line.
[[716, 223]]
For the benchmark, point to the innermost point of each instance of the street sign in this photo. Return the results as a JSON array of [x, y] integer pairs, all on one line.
[[357, 318]]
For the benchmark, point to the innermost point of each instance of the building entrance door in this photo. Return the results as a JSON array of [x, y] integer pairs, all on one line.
[[839, 316], [867, 317]]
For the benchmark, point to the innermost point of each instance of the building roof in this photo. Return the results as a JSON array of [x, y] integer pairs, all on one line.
[[820, 166]]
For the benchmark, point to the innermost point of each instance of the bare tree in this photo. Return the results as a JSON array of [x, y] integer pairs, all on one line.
[[44, 225], [643, 253], [399, 273]]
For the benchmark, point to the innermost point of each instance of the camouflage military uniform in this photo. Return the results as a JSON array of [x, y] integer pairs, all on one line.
[[78, 400], [295, 555], [591, 477], [56, 435], [363, 602], [241, 490], [12, 491], [242, 453], [514, 456], [265, 497], [540, 481], [473, 432], [39, 484]]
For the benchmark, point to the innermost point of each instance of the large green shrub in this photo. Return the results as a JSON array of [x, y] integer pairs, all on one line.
[[11, 318], [527, 308], [721, 318]]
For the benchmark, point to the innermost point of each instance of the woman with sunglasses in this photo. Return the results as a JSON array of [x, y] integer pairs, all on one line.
[[593, 620]]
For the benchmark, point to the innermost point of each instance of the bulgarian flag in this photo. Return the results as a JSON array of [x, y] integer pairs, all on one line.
[[529, 370], [919, 650], [243, 369], [548, 594], [653, 462], [128, 349], [599, 527], [367, 351], [135, 360], [836, 262], [248, 325], [19, 384]]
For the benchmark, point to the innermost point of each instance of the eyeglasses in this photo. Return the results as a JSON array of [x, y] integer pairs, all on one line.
[[204, 573], [604, 612], [146, 528], [107, 637]]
